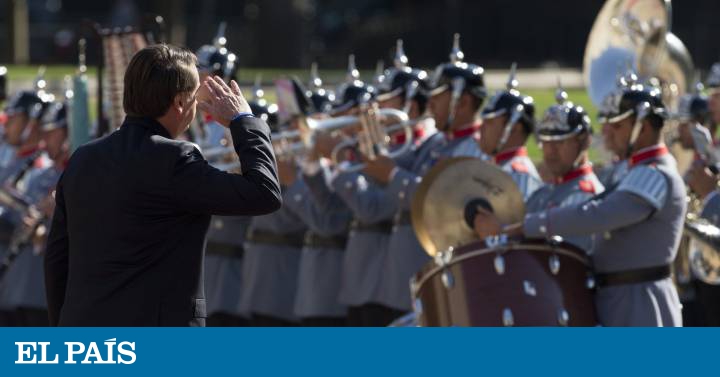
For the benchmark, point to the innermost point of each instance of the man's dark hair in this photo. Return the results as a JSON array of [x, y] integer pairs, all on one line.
[[155, 75]]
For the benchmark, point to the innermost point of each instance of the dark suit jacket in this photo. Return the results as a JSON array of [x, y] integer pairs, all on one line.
[[132, 210]]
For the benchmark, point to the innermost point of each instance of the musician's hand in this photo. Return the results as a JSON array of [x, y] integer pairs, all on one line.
[[39, 239], [47, 205], [379, 168], [221, 101], [325, 144], [701, 180], [287, 171], [486, 224]]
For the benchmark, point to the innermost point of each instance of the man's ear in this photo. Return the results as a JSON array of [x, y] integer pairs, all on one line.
[[179, 102]]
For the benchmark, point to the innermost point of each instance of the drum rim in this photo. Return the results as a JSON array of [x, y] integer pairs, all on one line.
[[520, 246]]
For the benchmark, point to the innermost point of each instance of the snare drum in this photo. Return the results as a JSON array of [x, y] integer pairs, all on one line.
[[516, 283]]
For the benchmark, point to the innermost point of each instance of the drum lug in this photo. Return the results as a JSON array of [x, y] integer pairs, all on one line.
[[443, 258], [448, 279], [590, 282], [563, 317], [555, 240], [554, 264], [499, 263], [495, 241], [529, 288], [507, 317]]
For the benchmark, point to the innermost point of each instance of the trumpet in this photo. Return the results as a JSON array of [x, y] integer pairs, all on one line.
[[374, 138]]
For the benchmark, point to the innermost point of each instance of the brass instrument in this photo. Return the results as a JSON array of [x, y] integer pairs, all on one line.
[[374, 138], [703, 257], [699, 253]]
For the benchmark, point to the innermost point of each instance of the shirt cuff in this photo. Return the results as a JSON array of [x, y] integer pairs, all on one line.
[[242, 115]]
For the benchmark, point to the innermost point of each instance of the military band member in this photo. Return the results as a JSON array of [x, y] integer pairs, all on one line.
[[23, 286], [702, 179], [616, 169], [320, 271], [273, 248], [458, 91], [508, 122], [21, 134], [564, 134], [272, 252], [226, 234], [637, 225], [214, 60], [18, 153], [327, 217], [402, 88]]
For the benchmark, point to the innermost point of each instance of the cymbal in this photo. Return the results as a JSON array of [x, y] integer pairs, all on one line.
[[439, 204]]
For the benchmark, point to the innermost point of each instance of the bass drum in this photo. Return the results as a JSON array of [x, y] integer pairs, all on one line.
[[518, 283]]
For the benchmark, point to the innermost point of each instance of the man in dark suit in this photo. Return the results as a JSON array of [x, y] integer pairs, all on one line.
[[127, 240]]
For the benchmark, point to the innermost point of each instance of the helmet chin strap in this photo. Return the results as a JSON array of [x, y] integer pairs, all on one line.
[[25, 135], [641, 112], [584, 147], [515, 116], [458, 86], [410, 92]]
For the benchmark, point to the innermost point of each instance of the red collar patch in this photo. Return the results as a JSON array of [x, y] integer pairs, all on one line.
[[587, 185], [648, 153], [507, 155], [465, 131], [582, 171]]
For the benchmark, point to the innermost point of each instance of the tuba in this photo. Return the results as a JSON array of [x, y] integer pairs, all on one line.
[[636, 35]]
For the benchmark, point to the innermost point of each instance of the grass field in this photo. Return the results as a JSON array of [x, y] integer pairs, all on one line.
[[543, 98]]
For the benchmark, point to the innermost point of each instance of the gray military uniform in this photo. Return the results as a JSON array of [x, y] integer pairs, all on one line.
[[14, 164], [223, 264], [24, 282], [223, 254], [521, 169], [405, 256], [637, 225], [320, 271], [576, 187], [270, 267], [373, 210], [612, 174]]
